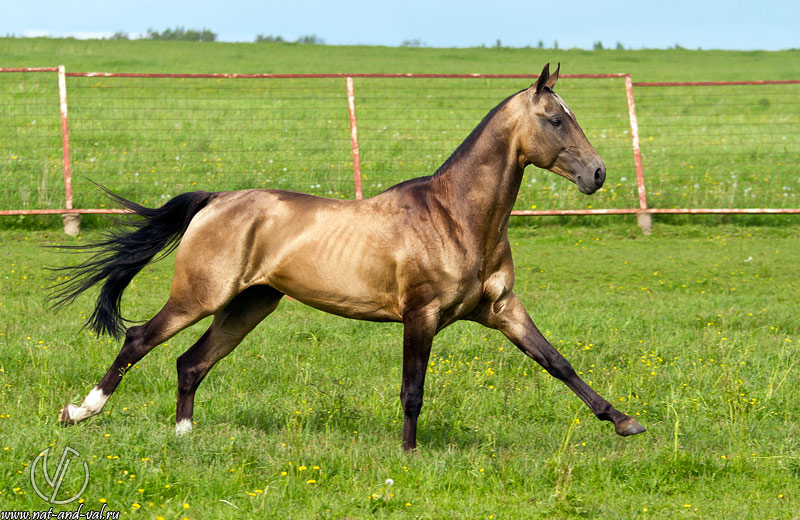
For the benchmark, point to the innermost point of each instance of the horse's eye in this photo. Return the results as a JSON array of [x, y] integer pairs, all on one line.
[[556, 121]]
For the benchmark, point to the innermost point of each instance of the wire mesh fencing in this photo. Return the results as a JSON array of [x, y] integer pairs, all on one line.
[[152, 138], [31, 161], [720, 145], [711, 147]]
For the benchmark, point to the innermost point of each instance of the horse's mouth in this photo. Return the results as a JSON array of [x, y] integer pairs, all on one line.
[[584, 187], [587, 188]]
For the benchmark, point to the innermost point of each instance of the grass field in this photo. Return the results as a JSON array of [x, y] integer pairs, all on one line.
[[188, 57], [693, 330]]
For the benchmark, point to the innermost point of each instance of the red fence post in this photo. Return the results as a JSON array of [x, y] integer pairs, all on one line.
[[351, 103], [644, 218], [72, 221]]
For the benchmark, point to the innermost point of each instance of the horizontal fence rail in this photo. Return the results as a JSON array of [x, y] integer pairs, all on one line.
[[708, 147]]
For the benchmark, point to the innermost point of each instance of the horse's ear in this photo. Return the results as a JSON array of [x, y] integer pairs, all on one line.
[[543, 78], [551, 81]]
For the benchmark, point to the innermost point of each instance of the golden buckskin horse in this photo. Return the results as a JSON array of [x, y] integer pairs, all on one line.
[[426, 252]]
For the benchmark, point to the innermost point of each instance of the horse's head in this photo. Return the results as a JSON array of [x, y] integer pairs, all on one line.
[[551, 138]]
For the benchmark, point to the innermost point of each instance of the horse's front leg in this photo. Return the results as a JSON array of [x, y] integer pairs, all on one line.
[[509, 316], [418, 331]]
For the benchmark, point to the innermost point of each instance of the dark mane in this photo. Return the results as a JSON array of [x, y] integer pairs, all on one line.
[[469, 142]]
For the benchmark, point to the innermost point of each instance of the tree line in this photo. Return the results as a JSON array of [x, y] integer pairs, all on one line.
[[206, 35], [180, 33], [176, 34]]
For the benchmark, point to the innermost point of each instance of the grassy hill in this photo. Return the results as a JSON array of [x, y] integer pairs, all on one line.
[[204, 57]]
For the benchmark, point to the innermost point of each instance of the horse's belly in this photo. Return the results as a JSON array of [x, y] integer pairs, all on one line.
[[343, 303], [350, 293]]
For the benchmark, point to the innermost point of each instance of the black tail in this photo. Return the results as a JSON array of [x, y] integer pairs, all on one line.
[[124, 253]]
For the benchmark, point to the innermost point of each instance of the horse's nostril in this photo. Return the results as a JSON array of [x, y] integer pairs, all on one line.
[[598, 175]]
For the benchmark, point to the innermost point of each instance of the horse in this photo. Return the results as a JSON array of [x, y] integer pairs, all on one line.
[[426, 252]]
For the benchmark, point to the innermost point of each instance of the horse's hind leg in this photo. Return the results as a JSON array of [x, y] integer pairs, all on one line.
[[139, 340], [229, 327]]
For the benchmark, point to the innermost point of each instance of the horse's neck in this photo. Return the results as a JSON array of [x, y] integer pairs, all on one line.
[[481, 180]]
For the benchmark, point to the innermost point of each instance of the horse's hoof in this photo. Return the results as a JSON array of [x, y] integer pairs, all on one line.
[[65, 416], [629, 427]]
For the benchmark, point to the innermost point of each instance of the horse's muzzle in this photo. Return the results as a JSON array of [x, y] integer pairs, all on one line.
[[590, 183]]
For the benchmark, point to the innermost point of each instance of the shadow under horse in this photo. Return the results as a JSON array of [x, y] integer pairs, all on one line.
[[426, 252]]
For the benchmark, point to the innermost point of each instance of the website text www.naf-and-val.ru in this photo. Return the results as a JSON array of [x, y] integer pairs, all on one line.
[[50, 514]]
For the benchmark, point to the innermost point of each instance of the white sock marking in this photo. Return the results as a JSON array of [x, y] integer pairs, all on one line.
[[183, 427], [95, 401], [92, 405]]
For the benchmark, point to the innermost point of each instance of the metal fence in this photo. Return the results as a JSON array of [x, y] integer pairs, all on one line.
[[718, 147]]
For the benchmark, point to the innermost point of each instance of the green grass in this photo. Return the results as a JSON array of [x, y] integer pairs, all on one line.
[[692, 330], [191, 57]]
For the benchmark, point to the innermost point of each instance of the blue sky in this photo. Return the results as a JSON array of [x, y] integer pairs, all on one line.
[[766, 24]]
